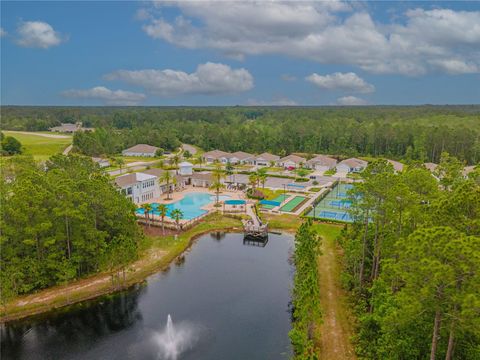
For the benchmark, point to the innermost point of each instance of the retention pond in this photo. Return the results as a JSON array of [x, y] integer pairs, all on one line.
[[225, 299]]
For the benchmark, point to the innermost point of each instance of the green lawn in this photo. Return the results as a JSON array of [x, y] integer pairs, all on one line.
[[40, 147]]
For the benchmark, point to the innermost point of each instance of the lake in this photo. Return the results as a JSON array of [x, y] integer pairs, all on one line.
[[228, 299]]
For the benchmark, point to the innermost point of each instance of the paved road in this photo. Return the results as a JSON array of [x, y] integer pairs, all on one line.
[[191, 149]]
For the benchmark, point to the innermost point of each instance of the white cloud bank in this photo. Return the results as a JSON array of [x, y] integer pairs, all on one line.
[[422, 41], [351, 101], [350, 82], [38, 34], [107, 96], [208, 79], [2, 32]]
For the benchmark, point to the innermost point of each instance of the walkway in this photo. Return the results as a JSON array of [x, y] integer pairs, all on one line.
[[253, 216]]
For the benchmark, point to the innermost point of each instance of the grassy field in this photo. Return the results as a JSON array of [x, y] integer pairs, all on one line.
[[40, 147]]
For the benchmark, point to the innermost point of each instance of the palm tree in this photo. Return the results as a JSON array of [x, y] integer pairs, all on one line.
[[147, 208], [253, 180], [229, 170], [162, 209], [167, 178], [200, 160], [218, 175], [120, 162], [175, 161], [176, 215], [262, 176]]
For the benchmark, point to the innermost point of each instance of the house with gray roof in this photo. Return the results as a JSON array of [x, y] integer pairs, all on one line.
[[321, 163], [265, 159], [351, 165], [141, 150], [292, 160], [241, 157], [216, 156]]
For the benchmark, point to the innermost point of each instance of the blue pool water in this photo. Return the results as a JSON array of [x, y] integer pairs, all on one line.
[[191, 205]]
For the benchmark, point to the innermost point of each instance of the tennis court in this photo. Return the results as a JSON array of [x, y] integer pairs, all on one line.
[[335, 205], [292, 204]]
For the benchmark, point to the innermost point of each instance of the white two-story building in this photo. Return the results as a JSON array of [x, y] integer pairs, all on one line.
[[139, 187]]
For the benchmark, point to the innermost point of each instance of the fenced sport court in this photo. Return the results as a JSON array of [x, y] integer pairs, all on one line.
[[334, 206]]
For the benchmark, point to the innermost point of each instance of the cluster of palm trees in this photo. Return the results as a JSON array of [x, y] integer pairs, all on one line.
[[162, 209], [218, 175], [257, 178]]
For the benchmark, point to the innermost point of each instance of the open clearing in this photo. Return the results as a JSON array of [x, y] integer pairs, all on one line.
[[41, 145]]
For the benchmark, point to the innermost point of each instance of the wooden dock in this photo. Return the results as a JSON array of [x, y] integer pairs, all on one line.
[[254, 228]]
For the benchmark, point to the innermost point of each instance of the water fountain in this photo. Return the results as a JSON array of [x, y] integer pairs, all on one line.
[[174, 340]]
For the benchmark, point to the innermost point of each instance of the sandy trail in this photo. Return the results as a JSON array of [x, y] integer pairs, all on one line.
[[336, 329]]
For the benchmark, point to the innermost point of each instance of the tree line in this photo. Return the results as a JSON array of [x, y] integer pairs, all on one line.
[[305, 293], [412, 262], [60, 221], [411, 133]]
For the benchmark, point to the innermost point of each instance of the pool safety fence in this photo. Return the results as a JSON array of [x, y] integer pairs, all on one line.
[[155, 220]]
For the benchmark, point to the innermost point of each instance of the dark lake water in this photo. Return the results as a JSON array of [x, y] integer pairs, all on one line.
[[228, 300]]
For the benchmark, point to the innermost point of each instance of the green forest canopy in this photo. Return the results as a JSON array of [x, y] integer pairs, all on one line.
[[409, 132], [60, 221], [412, 262]]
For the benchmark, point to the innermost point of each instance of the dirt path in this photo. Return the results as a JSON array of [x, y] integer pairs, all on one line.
[[67, 149], [79, 290], [336, 329]]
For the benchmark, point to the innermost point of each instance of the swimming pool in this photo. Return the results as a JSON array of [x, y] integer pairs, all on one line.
[[191, 205]]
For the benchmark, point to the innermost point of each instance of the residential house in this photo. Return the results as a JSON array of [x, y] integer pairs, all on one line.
[[138, 187], [216, 156], [201, 179], [397, 166], [67, 127], [351, 165], [265, 159], [292, 161], [141, 150], [101, 162], [321, 163], [241, 157], [185, 168]]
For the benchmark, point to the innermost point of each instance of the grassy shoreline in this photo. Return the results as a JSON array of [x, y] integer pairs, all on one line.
[[157, 254]]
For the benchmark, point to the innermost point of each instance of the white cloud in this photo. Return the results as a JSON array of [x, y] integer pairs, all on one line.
[[350, 82], [281, 101], [351, 101], [421, 41], [208, 79], [109, 97], [2, 32], [37, 34]]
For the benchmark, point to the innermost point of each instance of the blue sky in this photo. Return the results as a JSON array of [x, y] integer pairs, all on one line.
[[229, 53]]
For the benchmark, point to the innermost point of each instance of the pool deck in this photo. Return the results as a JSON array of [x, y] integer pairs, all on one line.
[[179, 195]]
